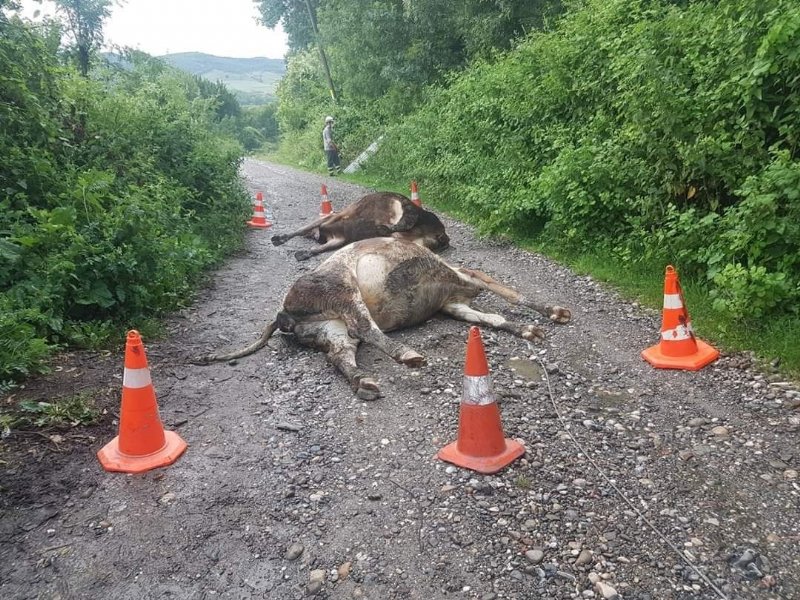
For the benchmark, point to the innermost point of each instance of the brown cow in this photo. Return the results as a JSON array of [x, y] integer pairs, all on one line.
[[378, 285], [382, 214]]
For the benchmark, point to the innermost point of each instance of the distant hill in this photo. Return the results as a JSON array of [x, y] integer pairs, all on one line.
[[252, 80]]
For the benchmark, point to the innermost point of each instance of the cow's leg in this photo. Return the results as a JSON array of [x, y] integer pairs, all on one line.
[[360, 325], [343, 356], [484, 282], [344, 359], [282, 238], [331, 244], [464, 312], [332, 338]]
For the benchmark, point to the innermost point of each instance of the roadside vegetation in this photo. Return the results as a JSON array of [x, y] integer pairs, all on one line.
[[60, 413], [618, 136], [118, 187]]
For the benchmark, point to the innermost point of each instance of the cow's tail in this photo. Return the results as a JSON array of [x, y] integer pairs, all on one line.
[[254, 347]]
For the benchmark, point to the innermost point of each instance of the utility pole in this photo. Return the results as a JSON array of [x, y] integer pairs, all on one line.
[[321, 51]]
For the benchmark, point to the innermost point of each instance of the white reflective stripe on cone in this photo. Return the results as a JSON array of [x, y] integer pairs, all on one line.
[[673, 301], [681, 332], [136, 378], [478, 390]]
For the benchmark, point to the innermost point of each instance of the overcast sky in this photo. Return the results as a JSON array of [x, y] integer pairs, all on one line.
[[220, 27]]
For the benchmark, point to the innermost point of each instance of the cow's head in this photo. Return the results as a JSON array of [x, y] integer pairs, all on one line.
[[429, 230]]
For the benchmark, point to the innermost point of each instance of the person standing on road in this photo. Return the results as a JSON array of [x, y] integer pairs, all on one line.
[[331, 149]]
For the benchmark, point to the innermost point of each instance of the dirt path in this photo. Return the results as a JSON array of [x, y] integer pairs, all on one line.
[[291, 487]]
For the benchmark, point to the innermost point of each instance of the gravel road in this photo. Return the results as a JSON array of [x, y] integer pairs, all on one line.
[[637, 483]]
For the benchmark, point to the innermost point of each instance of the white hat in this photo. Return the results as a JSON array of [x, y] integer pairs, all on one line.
[[329, 119]]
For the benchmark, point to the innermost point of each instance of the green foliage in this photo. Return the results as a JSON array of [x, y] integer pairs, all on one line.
[[83, 23], [366, 44], [763, 228], [427, 30], [117, 191], [749, 293], [380, 48], [303, 149], [653, 131], [383, 57], [22, 351], [303, 95], [60, 413], [251, 98], [293, 14], [258, 125], [227, 106]]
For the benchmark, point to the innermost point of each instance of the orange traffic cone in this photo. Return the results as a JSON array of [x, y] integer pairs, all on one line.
[[259, 220], [325, 208], [481, 445], [415, 194], [678, 348], [142, 443]]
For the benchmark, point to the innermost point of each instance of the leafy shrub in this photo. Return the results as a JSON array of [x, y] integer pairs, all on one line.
[[22, 351], [251, 138], [655, 130], [118, 191], [763, 228], [749, 293]]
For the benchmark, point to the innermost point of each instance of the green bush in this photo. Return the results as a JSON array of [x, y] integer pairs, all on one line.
[[117, 192], [654, 130], [749, 293]]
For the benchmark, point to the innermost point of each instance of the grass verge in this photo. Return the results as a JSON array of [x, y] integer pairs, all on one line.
[[771, 340]]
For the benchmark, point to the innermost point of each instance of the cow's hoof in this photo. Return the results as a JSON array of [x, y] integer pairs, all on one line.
[[412, 359], [303, 255], [560, 314], [368, 389], [278, 240], [532, 333]]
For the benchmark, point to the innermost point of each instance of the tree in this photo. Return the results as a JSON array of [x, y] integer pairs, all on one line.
[[488, 25], [397, 47], [226, 103], [84, 24], [293, 15]]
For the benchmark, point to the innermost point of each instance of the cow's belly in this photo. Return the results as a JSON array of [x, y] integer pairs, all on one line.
[[403, 293]]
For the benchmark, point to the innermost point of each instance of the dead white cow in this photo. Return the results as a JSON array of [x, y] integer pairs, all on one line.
[[379, 285]]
